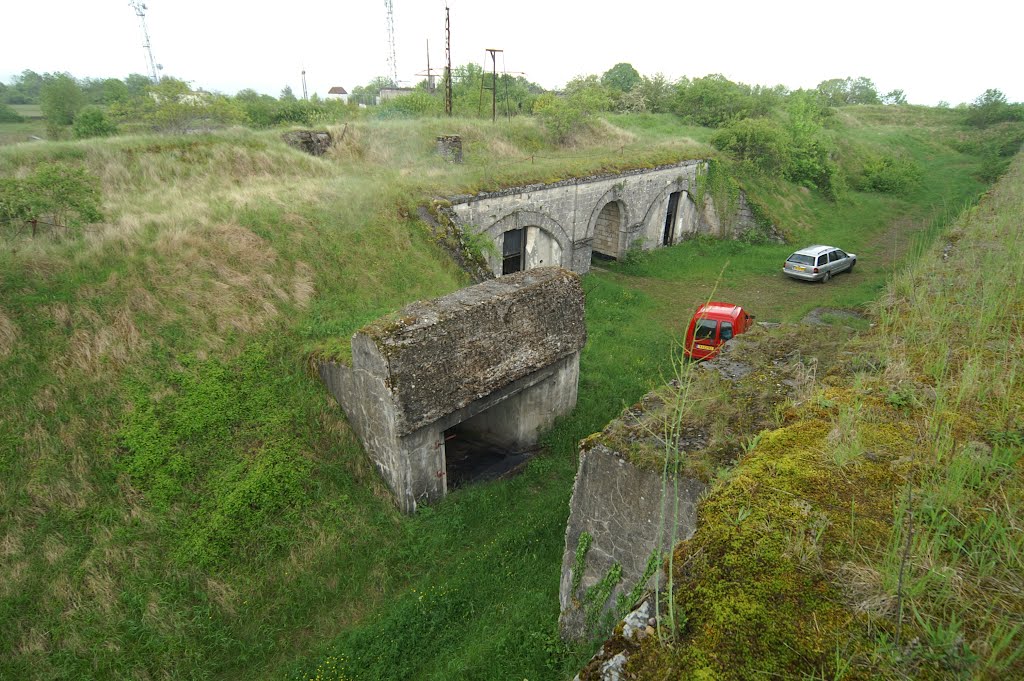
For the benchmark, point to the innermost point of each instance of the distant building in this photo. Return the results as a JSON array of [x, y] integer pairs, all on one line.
[[392, 92], [338, 92]]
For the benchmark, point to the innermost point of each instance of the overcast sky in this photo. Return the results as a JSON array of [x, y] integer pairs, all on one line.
[[933, 50]]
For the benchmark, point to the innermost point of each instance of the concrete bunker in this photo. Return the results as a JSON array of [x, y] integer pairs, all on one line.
[[460, 387]]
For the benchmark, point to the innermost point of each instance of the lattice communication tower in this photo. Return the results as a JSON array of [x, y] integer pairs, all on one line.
[[140, 11], [392, 62]]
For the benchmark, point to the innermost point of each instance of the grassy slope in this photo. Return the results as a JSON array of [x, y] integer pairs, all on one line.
[[877, 534], [179, 496]]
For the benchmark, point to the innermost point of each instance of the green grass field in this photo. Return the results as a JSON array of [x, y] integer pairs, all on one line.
[[180, 498]]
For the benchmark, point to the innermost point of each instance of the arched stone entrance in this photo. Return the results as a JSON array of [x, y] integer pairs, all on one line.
[[607, 230], [527, 239]]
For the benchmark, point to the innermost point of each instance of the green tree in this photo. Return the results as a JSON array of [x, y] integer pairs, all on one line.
[[138, 85], [92, 122], [114, 90], [894, 97], [713, 101], [9, 115], [25, 88], [845, 91], [992, 107], [653, 95], [16, 208], [55, 194], [564, 116], [368, 94], [588, 95], [60, 98], [287, 95], [761, 143], [622, 77]]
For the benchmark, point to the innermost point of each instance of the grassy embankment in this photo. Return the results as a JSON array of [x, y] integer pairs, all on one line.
[[179, 496], [877, 533]]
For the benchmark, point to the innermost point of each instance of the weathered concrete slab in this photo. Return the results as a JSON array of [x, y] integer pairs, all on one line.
[[440, 355], [627, 517], [313, 142]]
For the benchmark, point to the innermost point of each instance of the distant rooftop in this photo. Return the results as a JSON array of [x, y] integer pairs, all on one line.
[[337, 90]]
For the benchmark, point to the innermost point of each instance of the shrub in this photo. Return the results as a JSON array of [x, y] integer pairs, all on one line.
[[56, 194], [92, 122], [758, 142], [9, 115], [890, 175], [417, 103]]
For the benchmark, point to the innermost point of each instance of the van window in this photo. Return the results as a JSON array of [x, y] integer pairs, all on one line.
[[705, 329], [801, 259], [833, 256], [840, 254], [726, 330], [822, 259]]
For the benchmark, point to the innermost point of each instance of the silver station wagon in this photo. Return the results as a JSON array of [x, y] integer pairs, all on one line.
[[818, 263]]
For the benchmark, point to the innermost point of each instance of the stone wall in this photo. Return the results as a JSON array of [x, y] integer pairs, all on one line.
[[567, 214], [627, 519]]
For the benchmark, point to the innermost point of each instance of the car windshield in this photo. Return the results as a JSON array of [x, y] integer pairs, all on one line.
[[705, 329], [801, 259]]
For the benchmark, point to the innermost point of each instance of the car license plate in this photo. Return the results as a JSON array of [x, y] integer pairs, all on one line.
[[700, 346], [798, 268]]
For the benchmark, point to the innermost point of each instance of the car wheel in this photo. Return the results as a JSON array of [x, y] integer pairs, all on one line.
[[850, 268], [828, 275]]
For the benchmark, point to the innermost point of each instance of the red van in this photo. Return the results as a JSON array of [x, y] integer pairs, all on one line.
[[713, 324]]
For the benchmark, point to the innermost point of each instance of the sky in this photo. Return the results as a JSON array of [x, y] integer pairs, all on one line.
[[932, 50]]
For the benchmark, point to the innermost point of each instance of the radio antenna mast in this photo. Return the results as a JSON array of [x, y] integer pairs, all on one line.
[[392, 62], [140, 10], [448, 62]]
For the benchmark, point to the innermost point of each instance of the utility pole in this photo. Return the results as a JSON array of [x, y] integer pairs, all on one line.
[[494, 83], [140, 11], [448, 62], [430, 72]]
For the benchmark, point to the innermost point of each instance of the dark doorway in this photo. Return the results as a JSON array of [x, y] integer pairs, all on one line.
[[670, 218], [472, 457], [513, 251]]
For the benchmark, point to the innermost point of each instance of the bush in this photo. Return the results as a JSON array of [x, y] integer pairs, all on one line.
[[758, 142], [714, 101], [991, 107], [889, 174], [9, 115], [412, 105], [92, 122], [56, 194]]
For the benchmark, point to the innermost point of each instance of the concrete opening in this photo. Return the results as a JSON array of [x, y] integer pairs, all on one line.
[[513, 251], [671, 217], [474, 452], [606, 230]]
